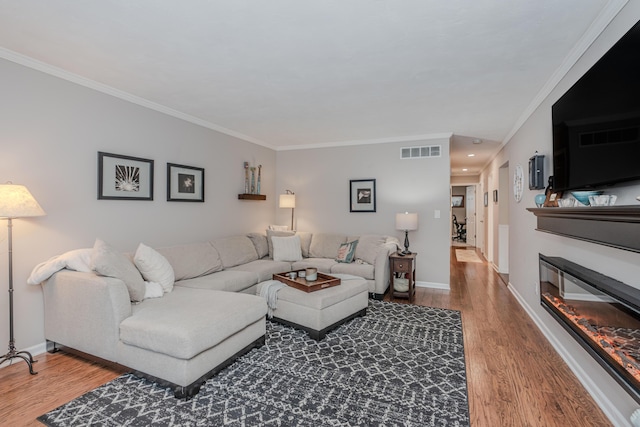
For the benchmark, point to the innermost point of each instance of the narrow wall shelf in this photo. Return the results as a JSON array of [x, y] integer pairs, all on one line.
[[615, 226], [252, 196]]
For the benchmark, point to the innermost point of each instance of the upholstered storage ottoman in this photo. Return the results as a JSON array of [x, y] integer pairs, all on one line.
[[320, 311]]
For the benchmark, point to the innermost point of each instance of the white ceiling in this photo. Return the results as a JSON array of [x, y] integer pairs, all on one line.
[[289, 74]]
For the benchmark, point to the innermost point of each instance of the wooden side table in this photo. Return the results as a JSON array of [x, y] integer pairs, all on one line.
[[403, 265]]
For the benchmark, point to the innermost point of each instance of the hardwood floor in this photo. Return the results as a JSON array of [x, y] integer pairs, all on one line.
[[514, 377]]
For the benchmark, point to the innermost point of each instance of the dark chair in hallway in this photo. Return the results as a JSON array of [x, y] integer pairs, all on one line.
[[460, 230]]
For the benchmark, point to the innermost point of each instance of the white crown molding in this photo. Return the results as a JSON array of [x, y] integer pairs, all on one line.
[[601, 22], [100, 87], [410, 138]]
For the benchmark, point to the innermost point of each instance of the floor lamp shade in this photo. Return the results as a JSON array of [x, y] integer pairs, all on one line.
[[16, 202], [406, 222], [288, 200]]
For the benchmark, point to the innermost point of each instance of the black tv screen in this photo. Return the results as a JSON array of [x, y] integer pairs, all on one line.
[[596, 123]]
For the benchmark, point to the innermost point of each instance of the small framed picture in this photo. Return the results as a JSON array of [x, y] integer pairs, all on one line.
[[551, 201], [124, 177], [457, 201], [486, 199], [184, 183], [362, 195], [495, 196]]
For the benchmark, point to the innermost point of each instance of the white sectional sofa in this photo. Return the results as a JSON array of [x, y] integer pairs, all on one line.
[[209, 317]]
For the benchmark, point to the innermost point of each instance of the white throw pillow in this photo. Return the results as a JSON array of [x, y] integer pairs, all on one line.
[[153, 290], [286, 248], [107, 261], [154, 267]]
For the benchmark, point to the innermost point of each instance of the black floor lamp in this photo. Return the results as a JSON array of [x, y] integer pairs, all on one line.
[[16, 202]]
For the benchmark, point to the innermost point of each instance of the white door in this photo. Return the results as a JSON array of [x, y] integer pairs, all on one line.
[[471, 215]]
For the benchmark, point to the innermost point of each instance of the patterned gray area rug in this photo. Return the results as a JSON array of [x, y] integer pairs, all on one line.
[[398, 365]]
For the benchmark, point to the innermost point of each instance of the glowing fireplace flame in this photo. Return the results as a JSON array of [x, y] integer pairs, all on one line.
[[601, 340]]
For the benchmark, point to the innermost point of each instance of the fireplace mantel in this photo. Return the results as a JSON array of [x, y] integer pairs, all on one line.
[[616, 226]]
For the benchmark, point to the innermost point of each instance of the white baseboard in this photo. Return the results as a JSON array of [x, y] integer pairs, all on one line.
[[433, 285], [614, 415], [35, 350]]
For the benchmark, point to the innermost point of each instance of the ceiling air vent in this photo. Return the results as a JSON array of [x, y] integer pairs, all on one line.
[[418, 152]]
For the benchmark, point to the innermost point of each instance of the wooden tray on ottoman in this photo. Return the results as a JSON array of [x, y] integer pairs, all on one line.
[[324, 281]]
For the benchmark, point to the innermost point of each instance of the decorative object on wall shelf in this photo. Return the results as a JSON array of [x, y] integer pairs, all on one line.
[[583, 196], [539, 199], [247, 188], [16, 202], [288, 200], [259, 179], [536, 172], [362, 195], [551, 199], [252, 183], [184, 183], [518, 183], [124, 177], [253, 179], [603, 200], [551, 196]]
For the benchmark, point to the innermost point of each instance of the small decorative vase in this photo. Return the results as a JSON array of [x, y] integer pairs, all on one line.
[[259, 179], [246, 178], [540, 198]]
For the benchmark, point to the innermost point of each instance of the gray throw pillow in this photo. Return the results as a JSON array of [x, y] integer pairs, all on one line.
[[107, 261]]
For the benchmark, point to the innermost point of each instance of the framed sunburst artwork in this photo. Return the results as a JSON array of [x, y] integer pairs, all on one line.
[[124, 177]]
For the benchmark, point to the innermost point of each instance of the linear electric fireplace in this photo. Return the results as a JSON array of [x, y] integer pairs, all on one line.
[[601, 313]]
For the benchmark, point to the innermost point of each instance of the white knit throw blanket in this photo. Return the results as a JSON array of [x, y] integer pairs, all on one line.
[[269, 291]]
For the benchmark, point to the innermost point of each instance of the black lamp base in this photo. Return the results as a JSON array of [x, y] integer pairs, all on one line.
[[406, 244]]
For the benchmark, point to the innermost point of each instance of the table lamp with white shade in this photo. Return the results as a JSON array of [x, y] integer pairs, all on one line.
[[16, 202], [407, 222]]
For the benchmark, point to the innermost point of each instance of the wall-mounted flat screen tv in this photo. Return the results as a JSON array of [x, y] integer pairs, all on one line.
[[596, 123]]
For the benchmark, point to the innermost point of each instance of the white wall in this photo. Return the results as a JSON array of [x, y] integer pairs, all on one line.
[[525, 243], [50, 133], [320, 178]]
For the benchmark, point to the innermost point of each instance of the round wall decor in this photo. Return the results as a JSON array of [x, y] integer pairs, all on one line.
[[518, 183]]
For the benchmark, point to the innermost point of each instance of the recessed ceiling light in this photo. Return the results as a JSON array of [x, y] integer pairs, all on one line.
[[471, 155], [465, 169], [477, 141]]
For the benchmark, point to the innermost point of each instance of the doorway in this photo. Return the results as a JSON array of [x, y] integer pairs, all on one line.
[[463, 215]]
